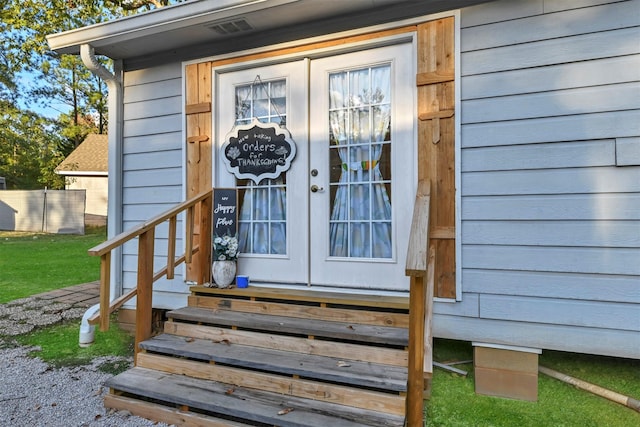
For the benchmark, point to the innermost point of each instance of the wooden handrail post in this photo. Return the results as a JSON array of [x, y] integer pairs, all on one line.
[[415, 382], [417, 268], [105, 290], [204, 256], [145, 287], [171, 248], [428, 321], [188, 245]]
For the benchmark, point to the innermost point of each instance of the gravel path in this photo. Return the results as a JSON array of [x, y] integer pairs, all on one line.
[[33, 394]]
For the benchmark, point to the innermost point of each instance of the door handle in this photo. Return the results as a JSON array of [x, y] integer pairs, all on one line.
[[315, 188]]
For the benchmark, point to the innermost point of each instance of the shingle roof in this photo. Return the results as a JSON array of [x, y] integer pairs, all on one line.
[[90, 156]]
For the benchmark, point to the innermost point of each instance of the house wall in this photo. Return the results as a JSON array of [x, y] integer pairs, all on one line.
[[96, 188], [550, 218], [152, 169]]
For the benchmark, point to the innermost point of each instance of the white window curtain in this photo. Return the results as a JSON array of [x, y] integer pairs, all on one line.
[[360, 127], [262, 219]]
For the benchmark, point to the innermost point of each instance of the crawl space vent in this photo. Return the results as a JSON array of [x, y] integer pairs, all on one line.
[[231, 27]]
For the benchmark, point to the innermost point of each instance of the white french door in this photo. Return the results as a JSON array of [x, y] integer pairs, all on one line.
[[273, 220], [340, 216]]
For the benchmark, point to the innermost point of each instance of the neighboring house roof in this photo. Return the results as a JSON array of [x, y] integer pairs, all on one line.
[[89, 158], [206, 22]]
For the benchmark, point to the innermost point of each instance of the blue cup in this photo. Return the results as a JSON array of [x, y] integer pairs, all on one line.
[[242, 281]]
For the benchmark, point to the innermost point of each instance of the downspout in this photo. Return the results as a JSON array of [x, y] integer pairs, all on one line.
[[114, 208]]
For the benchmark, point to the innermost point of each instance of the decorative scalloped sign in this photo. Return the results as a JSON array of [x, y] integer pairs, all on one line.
[[258, 150]]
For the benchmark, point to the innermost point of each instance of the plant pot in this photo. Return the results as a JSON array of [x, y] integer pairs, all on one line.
[[223, 273]]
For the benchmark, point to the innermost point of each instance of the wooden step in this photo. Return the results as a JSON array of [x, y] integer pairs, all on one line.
[[323, 368], [216, 400], [360, 352], [273, 357], [389, 336], [324, 297]]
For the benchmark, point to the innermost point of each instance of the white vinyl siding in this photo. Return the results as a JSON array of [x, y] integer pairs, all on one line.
[[153, 168], [550, 223]]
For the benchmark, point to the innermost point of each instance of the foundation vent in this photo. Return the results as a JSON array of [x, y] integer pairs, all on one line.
[[231, 27]]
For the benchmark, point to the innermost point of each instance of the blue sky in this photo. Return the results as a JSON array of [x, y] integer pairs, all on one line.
[[26, 80]]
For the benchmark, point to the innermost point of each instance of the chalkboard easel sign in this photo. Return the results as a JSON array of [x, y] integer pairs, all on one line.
[[225, 224]]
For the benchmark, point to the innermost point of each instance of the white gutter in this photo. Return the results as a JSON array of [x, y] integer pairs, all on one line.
[[114, 207]]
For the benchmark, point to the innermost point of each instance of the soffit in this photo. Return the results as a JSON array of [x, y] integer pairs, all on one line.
[[222, 22]]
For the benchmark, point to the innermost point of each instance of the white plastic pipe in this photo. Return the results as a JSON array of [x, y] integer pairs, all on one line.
[[87, 54], [87, 331]]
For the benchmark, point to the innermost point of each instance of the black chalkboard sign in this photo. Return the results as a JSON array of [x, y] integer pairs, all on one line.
[[258, 150], [225, 212], [225, 224]]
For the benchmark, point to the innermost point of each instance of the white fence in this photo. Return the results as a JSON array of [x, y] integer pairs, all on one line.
[[49, 211]]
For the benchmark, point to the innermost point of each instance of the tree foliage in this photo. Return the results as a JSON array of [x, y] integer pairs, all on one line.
[[31, 145], [29, 151]]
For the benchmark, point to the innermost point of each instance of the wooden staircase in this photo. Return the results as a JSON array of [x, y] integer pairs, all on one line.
[[272, 357]]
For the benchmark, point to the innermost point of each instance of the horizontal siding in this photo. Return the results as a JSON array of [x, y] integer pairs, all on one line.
[[153, 160], [552, 129], [544, 284], [554, 207], [169, 194], [606, 234], [622, 261], [153, 166], [143, 211], [610, 342], [161, 89], [596, 99], [552, 181], [149, 177], [574, 154], [560, 5], [152, 108], [130, 262], [551, 26], [507, 10], [158, 142], [498, 11], [162, 231], [468, 307], [562, 312], [153, 125], [167, 71], [572, 75], [550, 52], [550, 229], [168, 294]]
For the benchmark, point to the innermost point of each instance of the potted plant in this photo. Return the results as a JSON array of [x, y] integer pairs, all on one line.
[[225, 256]]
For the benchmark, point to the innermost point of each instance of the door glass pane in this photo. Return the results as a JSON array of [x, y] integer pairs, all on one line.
[[263, 206], [360, 162]]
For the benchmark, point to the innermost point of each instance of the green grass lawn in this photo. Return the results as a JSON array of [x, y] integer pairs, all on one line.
[[58, 345], [454, 402], [31, 263]]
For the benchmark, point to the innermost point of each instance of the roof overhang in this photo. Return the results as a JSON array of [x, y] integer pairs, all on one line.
[[199, 22]]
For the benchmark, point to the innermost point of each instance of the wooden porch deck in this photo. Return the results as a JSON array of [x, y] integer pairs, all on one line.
[[265, 357]]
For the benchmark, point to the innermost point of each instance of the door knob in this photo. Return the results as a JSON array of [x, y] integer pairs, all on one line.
[[315, 188]]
